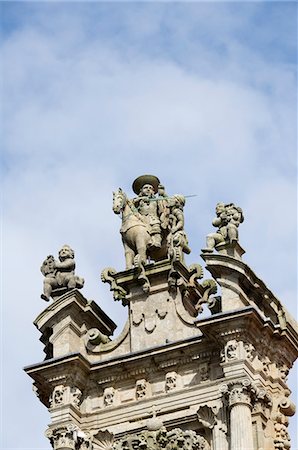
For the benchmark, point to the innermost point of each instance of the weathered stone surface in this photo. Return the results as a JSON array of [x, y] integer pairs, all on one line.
[[227, 220], [173, 378], [59, 275], [152, 226]]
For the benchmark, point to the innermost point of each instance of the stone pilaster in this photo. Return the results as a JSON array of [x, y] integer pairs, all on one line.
[[213, 418], [239, 400]]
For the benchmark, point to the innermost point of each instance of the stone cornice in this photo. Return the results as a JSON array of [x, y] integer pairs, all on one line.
[[248, 322], [88, 307], [255, 290]]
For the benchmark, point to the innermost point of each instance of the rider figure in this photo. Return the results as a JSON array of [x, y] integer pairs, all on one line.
[[146, 203]]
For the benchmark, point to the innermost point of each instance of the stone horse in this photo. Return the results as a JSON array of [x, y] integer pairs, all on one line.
[[134, 231]]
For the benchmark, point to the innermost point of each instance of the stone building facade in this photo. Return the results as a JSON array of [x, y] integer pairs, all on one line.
[[171, 379]]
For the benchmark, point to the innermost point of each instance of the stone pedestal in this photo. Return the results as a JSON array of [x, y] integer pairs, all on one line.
[[64, 323], [159, 316]]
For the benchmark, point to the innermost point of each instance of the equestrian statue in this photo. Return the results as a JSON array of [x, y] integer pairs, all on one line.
[[152, 223]]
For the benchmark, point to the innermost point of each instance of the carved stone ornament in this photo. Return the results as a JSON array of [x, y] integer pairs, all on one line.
[[59, 275], [245, 392], [57, 397], [62, 395], [209, 288], [227, 220], [196, 294], [108, 276], [171, 381], [109, 396], [230, 352], [69, 437], [64, 437], [96, 337], [152, 226], [75, 396], [284, 372], [104, 440], [206, 416], [162, 439], [282, 438], [250, 351], [141, 389], [204, 371]]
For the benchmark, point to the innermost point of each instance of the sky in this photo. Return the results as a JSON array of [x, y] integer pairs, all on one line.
[[201, 94]]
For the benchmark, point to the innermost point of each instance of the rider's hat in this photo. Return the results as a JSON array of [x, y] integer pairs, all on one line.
[[145, 179]]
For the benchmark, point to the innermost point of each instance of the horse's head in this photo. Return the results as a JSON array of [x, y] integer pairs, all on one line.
[[119, 201]]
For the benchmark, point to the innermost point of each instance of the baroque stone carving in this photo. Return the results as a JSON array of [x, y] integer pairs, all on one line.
[[245, 392], [69, 437], [204, 371], [62, 437], [266, 365], [108, 276], [104, 440], [206, 416], [278, 423], [194, 293], [59, 275], [282, 438], [152, 225], [284, 371], [109, 396], [149, 316], [162, 439], [141, 389], [57, 397], [171, 381], [65, 395], [227, 220], [230, 352], [96, 337], [250, 351], [75, 395]]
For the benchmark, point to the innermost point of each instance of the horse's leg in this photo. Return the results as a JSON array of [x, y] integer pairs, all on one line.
[[141, 246], [129, 255]]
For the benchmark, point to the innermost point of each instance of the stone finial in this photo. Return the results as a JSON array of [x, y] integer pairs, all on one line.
[[59, 275], [227, 220]]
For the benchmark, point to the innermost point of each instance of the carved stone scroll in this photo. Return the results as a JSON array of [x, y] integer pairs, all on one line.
[[108, 276]]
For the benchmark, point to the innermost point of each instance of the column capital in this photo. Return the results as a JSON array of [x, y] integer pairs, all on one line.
[[68, 437], [244, 392]]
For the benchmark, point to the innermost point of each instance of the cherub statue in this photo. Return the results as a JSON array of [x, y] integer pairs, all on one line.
[[60, 274], [228, 218], [177, 238]]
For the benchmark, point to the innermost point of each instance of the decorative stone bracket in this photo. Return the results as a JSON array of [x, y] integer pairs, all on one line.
[[108, 276]]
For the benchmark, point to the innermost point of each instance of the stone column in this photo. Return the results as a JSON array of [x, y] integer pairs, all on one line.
[[241, 432]]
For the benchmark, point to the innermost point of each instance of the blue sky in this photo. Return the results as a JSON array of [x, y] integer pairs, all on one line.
[[201, 94]]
